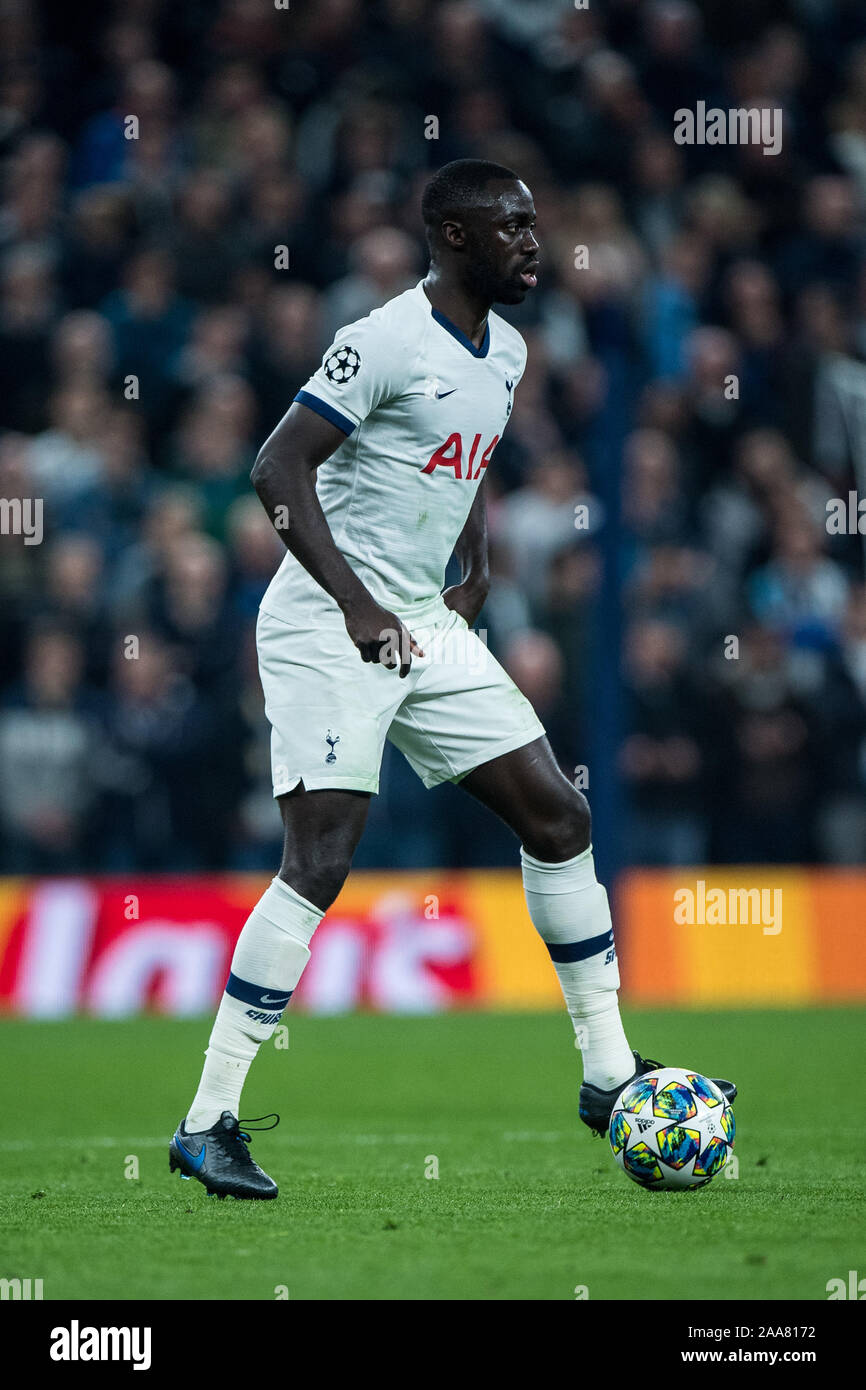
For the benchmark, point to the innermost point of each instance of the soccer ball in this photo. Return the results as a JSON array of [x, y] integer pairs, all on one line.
[[672, 1129]]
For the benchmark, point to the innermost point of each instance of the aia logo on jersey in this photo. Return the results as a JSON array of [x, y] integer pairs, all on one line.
[[451, 455]]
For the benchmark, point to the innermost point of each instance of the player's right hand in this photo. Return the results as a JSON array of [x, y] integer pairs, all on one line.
[[381, 637]]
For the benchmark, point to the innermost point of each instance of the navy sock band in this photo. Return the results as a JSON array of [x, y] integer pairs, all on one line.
[[271, 999], [580, 950]]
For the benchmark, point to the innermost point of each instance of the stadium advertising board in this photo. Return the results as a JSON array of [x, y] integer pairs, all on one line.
[[426, 942]]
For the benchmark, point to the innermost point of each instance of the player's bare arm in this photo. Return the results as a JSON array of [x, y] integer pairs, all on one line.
[[467, 597], [284, 477]]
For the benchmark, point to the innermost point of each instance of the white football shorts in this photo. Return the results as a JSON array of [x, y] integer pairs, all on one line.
[[330, 712]]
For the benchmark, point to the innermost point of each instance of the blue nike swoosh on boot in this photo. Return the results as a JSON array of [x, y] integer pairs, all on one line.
[[196, 1160]]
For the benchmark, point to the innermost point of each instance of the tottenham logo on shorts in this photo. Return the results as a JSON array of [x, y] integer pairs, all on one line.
[[342, 364], [332, 741]]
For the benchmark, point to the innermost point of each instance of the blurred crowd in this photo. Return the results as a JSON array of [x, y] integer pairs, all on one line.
[[168, 282]]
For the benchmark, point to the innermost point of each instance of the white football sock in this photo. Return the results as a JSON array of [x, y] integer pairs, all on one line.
[[570, 912], [268, 961]]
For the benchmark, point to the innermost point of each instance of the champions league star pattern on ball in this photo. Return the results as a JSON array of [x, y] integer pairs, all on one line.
[[672, 1129]]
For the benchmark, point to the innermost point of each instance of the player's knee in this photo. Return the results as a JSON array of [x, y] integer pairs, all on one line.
[[565, 833]]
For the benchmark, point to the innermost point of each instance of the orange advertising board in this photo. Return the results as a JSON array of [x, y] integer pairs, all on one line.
[[744, 935], [430, 941]]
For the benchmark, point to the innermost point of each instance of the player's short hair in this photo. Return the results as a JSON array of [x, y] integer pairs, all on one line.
[[457, 187]]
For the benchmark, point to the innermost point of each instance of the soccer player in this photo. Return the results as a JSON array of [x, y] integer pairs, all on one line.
[[373, 479]]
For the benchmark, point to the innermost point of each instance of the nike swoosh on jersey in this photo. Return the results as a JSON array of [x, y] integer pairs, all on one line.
[[440, 395]]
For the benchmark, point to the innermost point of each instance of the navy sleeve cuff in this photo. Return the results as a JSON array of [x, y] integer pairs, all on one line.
[[327, 412]]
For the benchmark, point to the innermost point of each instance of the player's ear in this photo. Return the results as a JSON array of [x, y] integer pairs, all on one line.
[[454, 235]]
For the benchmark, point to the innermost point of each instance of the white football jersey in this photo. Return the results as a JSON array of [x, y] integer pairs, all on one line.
[[423, 410]]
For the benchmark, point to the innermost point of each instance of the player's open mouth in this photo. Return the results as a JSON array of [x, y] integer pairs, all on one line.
[[529, 276]]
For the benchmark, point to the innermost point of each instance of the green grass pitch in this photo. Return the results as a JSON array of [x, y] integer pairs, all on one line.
[[527, 1205]]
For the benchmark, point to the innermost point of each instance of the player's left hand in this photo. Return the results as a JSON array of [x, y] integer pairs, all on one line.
[[467, 599]]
